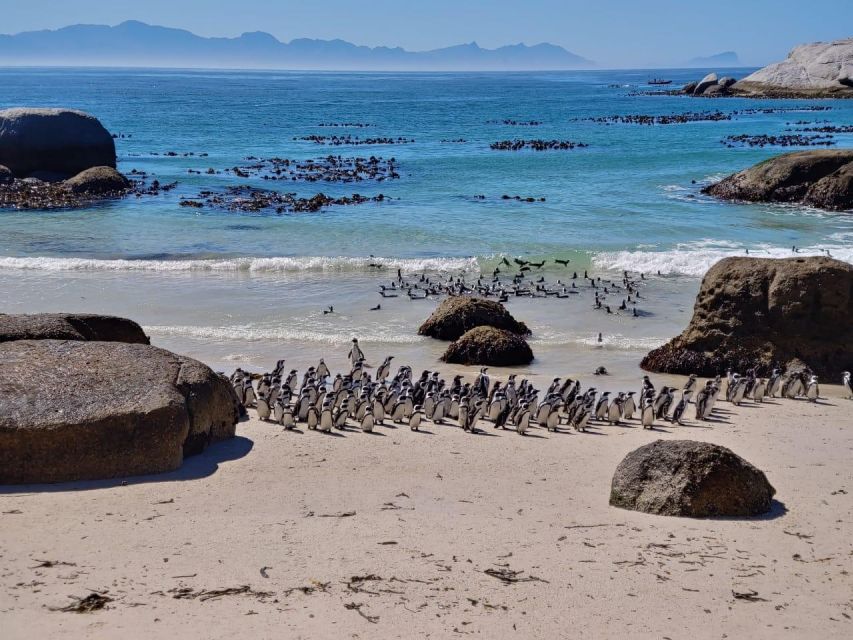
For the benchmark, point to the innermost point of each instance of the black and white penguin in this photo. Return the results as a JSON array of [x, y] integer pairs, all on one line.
[[629, 406], [313, 417], [263, 408], [287, 420], [384, 369], [759, 390], [602, 406], [523, 420], [327, 419], [648, 415], [813, 391], [847, 385], [417, 417], [614, 411], [322, 370], [367, 421], [355, 354]]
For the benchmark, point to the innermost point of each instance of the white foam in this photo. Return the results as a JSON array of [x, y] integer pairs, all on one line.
[[695, 258], [249, 264], [257, 333], [615, 342]]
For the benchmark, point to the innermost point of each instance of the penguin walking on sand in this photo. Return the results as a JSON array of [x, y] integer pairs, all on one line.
[[614, 412], [648, 415], [417, 417], [287, 420], [629, 406], [384, 369], [522, 423], [847, 385], [355, 355], [678, 412], [759, 390], [367, 422], [812, 391]]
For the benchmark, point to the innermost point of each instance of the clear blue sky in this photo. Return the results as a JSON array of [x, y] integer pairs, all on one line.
[[621, 33]]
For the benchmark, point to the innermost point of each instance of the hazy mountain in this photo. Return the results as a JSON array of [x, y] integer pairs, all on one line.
[[724, 59], [136, 44]]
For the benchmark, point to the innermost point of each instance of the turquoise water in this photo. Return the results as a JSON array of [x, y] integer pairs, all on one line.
[[200, 278]]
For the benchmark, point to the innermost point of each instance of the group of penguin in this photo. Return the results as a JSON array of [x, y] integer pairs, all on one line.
[[324, 403], [519, 284]]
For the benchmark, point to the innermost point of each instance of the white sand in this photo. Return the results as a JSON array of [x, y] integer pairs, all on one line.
[[454, 505]]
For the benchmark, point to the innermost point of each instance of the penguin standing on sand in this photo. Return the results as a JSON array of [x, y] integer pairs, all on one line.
[[355, 354], [648, 416], [813, 391], [629, 406], [847, 385], [367, 421], [417, 417]]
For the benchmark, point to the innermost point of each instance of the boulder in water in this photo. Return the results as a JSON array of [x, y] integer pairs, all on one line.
[[100, 181], [817, 177], [458, 314], [763, 312], [708, 81], [489, 346], [692, 479], [60, 142], [77, 410]]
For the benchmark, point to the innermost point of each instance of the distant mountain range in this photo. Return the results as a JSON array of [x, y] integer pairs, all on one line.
[[136, 44], [724, 59]]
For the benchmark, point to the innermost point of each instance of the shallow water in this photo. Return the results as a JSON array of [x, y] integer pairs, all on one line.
[[240, 288]]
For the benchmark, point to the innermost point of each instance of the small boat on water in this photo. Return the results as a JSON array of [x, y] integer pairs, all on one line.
[[659, 81]]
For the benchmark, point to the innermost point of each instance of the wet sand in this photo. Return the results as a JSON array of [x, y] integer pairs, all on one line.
[[399, 534]]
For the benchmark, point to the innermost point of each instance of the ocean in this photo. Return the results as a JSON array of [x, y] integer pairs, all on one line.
[[237, 288]]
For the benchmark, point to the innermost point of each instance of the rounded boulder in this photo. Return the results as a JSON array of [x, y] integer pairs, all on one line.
[[489, 346], [70, 326], [57, 141], [100, 181], [690, 479], [458, 314], [76, 410]]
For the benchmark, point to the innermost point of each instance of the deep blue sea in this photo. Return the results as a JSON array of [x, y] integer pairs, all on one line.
[[629, 200]]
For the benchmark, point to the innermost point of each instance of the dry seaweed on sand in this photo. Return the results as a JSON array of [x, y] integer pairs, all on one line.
[[509, 576], [353, 606], [186, 593], [87, 604]]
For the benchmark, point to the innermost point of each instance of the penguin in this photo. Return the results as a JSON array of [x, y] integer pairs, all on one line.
[[629, 406], [313, 417], [702, 403], [378, 411], [248, 394], [415, 420], [774, 384], [462, 416], [327, 420], [322, 370], [355, 354], [278, 411], [263, 408], [813, 391], [690, 385], [553, 421], [367, 421], [341, 418], [614, 412], [428, 405], [384, 369], [678, 413], [847, 385], [648, 415], [582, 419], [398, 411], [439, 411], [523, 420], [287, 420], [601, 407], [738, 392], [760, 390]]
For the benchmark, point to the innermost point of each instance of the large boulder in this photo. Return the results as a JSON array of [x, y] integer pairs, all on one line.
[[820, 69], [53, 141], [833, 192], [99, 181], [489, 346], [817, 178], [708, 81], [762, 312], [689, 478], [70, 326], [75, 410], [458, 314]]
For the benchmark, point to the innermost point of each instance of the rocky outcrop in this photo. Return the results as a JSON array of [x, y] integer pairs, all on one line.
[[820, 69], [709, 86], [76, 410], [100, 181], [818, 178], [692, 479], [489, 346], [53, 142], [766, 312], [70, 326], [458, 314]]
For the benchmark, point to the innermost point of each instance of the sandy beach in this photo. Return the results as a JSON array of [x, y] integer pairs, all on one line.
[[401, 534]]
